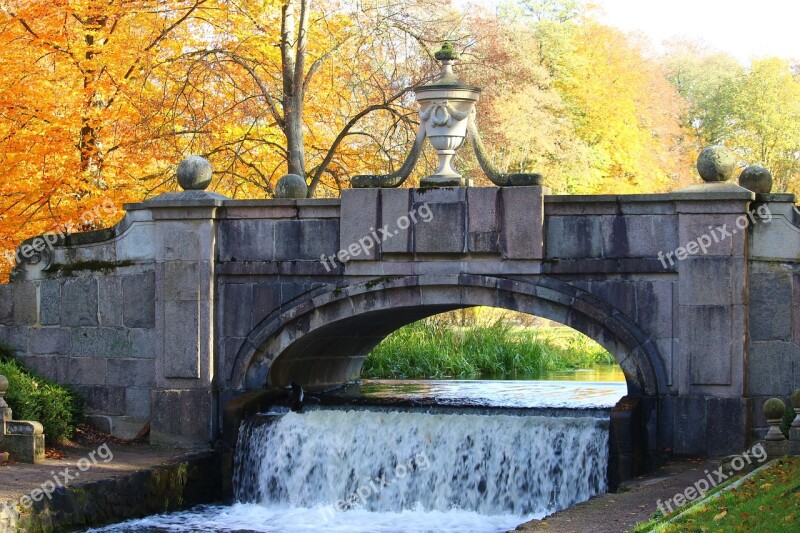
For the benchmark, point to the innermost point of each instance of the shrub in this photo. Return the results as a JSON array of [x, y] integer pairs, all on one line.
[[32, 397]]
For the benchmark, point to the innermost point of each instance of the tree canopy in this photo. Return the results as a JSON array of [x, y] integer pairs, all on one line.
[[100, 100]]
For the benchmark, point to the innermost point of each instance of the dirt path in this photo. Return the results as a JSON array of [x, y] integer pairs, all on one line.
[[619, 512]]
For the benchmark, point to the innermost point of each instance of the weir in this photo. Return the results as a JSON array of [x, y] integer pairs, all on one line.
[[390, 461]]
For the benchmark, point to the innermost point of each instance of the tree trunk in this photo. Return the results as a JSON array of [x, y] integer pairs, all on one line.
[[293, 52]]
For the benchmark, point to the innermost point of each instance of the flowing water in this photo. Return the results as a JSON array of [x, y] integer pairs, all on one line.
[[383, 470]]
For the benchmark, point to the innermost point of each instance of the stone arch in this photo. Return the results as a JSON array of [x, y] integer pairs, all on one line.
[[321, 339]]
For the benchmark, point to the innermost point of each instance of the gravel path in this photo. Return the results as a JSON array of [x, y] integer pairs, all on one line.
[[634, 503]]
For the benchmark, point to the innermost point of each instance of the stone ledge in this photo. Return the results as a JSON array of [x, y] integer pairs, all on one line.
[[181, 484]]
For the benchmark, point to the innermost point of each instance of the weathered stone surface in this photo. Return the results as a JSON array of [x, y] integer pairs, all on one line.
[[137, 402], [717, 233], [770, 306], [756, 178], [197, 424], [395, 203], [49, 302], [24, 303], [690, 425], [266, 298], [46, 341], [654, 308], [110, 301], [16, 337], [708, 346], [291, 186], [99, 342], [181, 340], [679, 331], [180, 241], [194, 173], [445, 233], [6, 305], [79, 302], [104, 400], [84, 371], [248, 240], [771, 365], [711, 281], [143, 343], [131, 372], [139, 293], [238, 301], [183, 483], [182, 280], [522, 222], [639, 235], [359, 219], [483, 229], [305, 239], [573, 237], [725, 418], [716, 163]]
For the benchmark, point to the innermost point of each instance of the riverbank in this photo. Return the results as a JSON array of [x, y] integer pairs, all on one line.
[[636, 501], [102, 484], [437, 349]]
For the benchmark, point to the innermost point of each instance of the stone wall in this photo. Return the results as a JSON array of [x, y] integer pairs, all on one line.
[[774, 307], [176, 486], [193, 299], [93, 331]]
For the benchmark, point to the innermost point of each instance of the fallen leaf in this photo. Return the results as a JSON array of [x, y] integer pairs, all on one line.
[[721, 515]]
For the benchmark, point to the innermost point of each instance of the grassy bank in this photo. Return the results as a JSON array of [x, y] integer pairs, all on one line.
[[432, 349], [766, 502]]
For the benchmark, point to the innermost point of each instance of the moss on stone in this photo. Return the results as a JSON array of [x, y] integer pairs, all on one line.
[[106, 267]]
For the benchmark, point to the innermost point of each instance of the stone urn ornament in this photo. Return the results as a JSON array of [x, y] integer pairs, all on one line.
[[445, 107], [447, 119]]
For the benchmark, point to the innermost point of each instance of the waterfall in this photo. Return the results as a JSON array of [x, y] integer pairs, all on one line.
[[381, 461]]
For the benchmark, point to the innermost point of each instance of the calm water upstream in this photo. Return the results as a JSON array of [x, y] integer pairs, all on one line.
[[417, 470]]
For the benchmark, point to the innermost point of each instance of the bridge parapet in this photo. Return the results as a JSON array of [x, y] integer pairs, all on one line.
[[154, 319]]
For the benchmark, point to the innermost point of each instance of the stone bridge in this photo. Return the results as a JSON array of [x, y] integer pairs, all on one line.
[[193, 299]]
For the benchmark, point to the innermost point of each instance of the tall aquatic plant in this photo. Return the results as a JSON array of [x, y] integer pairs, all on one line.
[[500, 349]]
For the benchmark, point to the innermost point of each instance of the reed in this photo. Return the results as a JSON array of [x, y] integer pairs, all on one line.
[[434, 349]]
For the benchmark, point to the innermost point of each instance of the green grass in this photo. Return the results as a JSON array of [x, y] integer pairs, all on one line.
[[434, 349], [766, 502], [32, 397]]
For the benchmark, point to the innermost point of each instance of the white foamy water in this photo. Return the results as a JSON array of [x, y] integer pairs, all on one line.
[[377, 471], [286, 519]]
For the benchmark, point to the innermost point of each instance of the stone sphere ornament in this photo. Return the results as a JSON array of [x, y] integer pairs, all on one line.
[[291, 186], [3, 386], [757, 179], [716, 163], [773, 411], [796, 399], [194, 173]]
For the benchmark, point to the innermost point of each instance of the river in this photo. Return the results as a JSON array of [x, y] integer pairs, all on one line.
[[512, 451]]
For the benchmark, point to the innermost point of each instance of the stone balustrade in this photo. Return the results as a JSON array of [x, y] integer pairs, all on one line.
[[23, 440]]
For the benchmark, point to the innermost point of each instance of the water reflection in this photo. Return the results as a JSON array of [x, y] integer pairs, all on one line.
[[595, 387]]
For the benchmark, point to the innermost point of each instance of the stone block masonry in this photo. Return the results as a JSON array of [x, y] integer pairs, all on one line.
[[194, 299]]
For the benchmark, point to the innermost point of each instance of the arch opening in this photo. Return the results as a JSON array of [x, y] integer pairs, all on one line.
[[323, 341]]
